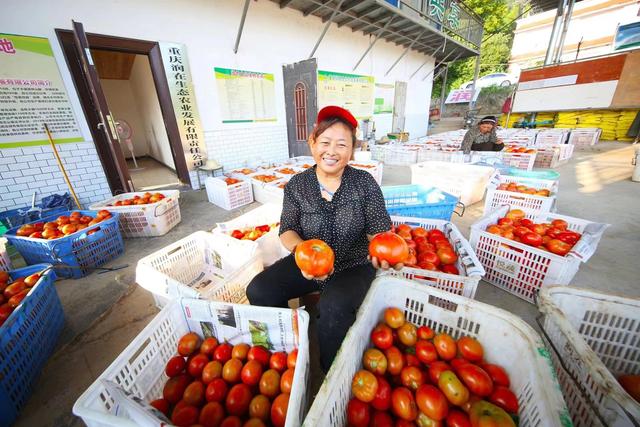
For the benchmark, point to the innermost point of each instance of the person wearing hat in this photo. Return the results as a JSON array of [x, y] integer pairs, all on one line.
[[345, 208], [483, 137]]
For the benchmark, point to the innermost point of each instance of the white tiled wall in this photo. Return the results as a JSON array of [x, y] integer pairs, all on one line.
[[29, 169]]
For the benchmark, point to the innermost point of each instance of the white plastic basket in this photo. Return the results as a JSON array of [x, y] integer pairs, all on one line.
[[228, 196], [5, 260], [261, 193], [596, 336], [139, 368], [584, 137], [400, 156], [378, 152], [522, 269], [428, 154], [468, 265], [552, 156], [530, 203], [523, 161], [371, 166], [154, 219], [552, 136], [201, 265], [243, 173], [269, 246], [465, 181], [507, 340]]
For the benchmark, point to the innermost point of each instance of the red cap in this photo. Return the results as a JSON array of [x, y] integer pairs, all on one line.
[[335, 111]]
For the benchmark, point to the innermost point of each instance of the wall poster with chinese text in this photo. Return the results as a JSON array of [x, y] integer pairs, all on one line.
[[176, 67], [350, 91], [246, 96], [31, 94]]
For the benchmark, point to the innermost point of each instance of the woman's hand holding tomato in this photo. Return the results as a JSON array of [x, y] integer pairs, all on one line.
[[388, 250], [315, 259]]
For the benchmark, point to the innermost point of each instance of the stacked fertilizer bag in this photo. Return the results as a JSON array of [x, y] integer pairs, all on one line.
[[624, 123]]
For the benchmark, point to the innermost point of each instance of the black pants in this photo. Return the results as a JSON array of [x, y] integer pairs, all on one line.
[[342, 295]]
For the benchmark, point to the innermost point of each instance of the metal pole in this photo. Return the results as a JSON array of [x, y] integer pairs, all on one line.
[[404, 53], [438, 64], [427, 60], [444, 89], [378, 35], [554, 32], [244, 15], [565, 28], [472, 104], [326, 27]]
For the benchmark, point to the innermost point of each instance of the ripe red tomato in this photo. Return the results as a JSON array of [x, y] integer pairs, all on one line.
[[174, 388], [292, 358], [470, 349], [429, 256], [211, 371], [526, 222], [240, 351], [457, 362], [279, 410], [515, 214], [286, 380], [445, 345], [497, 373], [389, 247], [457, 418], [231, 371], [407, 334], [450, 269], [231, 421], [364, 386], [278, 361], [14, 289], [538, 229], [251, 372], [222, 353], [314, 257], [505, 221], [484, 413], [382, 399], [254, 422], [260, 407], [194, 394], [419, 232], [504, 398], [447, 256], [381, 336], [381, 419], [211, 414], [216, 390], [185, 416], [426, 351], [403, 404], [259, 354], [395, 360], [569, 237], [411, 377], [558, 247], [425, 333], [188, 344], [532, 239], [208, 346], [175, 366], [394, 317], [358, 413], [238, 399], [412, 360], [631, 384], [476, 379], [373, 360], [521, 231], [432, 402], [436, 368], [161, 405], [560, 224], [15, 300], [269, 384], [426, 265], [425, 247], [197, 364]]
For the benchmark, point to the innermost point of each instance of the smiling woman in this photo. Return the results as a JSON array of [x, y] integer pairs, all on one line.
[[344, 208]]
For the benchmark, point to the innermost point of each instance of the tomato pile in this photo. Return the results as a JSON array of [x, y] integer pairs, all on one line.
[[62, 226], [253, 233], [286, 171], [416, 377], [265, 178], [244, 171], [218, 384], [553, 237], [282, 185], [357, 165], [145, 199], [13, 292], [515, 149], [231, 181], [515, 188], [631, 384], [417, 247]]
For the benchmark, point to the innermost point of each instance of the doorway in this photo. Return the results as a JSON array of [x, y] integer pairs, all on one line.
[[108, 73], [301, 105]]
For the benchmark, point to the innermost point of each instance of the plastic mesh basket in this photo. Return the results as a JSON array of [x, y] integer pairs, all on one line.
[[228, 196], [419, 201], [77, 254], [530, 203], [507, 340], [597, 337], [27, 339], [5, 259]]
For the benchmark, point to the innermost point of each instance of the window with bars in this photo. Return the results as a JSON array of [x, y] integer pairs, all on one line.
[[300, 106]]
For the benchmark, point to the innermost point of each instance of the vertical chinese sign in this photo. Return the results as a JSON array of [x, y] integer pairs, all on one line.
[[32, 93], [176, 67]]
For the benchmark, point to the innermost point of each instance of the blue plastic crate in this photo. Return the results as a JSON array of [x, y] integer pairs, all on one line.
[[16, 217], [27, 339], [77, 254], [419, 201], [537, 174]]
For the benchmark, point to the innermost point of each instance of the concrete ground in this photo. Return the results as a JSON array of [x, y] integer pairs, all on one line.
[[104, 312]]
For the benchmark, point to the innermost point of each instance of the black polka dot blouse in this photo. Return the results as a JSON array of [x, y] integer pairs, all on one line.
[[356, 209]]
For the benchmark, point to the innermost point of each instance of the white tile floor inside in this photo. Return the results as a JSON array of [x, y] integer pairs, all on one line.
[[151, 174]]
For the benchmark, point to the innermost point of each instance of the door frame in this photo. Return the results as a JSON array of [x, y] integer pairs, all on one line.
[[292, 74], [126, 45]]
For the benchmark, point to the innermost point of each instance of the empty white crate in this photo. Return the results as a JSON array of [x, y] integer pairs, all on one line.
[[201, 265], [530, 203], [139, 369], [584, 137], [371, 166], [507, 340], [153, 219], [228, 196]]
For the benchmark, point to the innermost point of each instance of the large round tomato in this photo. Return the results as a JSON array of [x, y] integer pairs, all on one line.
[[279, 410], [381, 336], [445, 345], [238, 400], [251, 372], [260, 407], [175, 366], [395, 360], [358, 413], [188, 344], [364, 385], [504, 398], [497, 373], [270, 383], [374, 361], [211, 414], [389, 247], [411, 377], [407, 334], [394, 317], [470, 349], [452, 388], [558, 247], [216, 390], [174, 388], [314, 257], [483, 413], [194, 394], [403, 404], [382, 400], [432, 402], [426, 351], [476, 379]]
